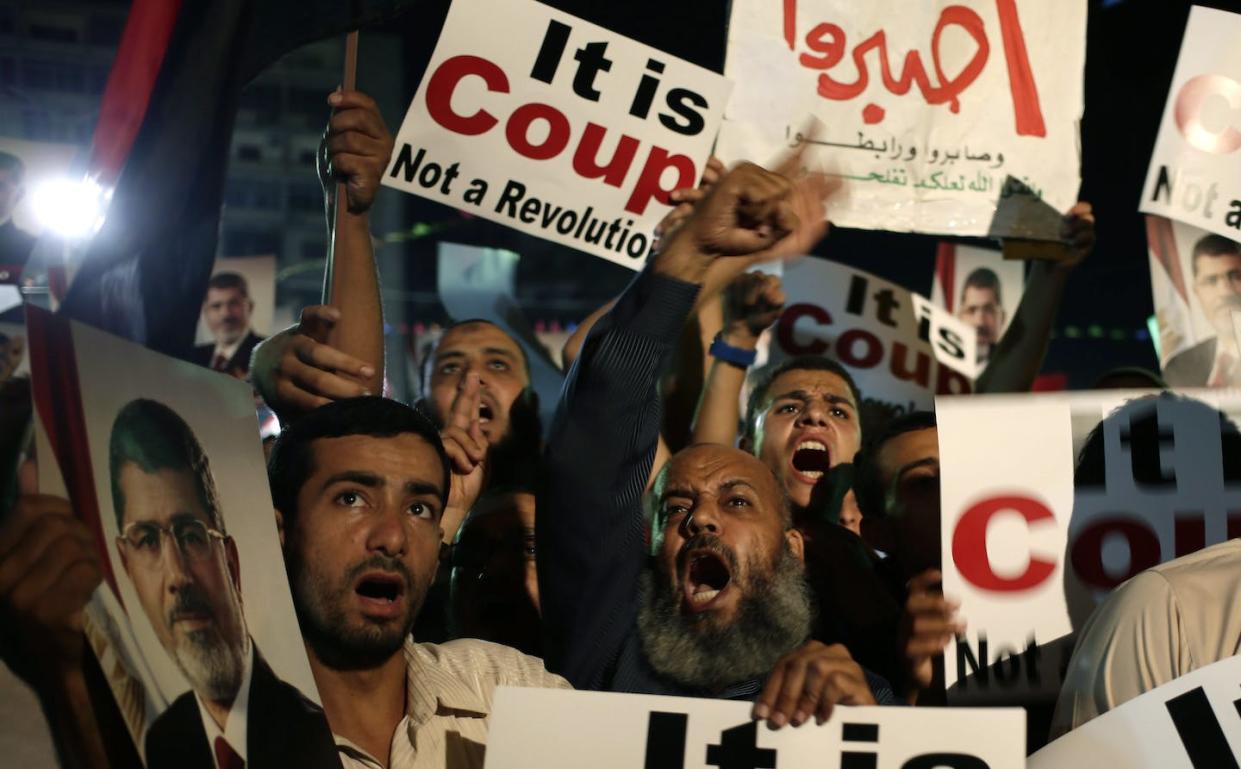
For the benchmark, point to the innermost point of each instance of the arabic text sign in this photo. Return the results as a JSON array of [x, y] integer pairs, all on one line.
[[543, 122], [1195, 172], [927, 107], [556, 729], [900, 348], [1193, 722], [1034, 538]]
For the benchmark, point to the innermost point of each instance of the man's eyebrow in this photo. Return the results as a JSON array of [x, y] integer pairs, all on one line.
[[360, 477], [802, 395], [676, 492], [734, 483], [423, 487], [924, 462]]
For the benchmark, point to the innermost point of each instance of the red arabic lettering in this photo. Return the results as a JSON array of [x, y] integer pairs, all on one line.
[[828, 45]]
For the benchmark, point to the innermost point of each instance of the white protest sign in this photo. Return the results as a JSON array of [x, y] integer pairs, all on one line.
[[1196, 284], [556, 127], [901, 349], [1193, 722], [1034, 537], [1195, 171], [981, 288], [927, 108], [557, 729]]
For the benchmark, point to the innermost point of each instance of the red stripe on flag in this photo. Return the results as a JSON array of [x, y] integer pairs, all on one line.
[[58, 401], [130, 83], [946, 272], [1163, 245]]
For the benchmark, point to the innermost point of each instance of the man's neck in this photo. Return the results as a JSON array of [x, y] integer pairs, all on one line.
[[363, 706]]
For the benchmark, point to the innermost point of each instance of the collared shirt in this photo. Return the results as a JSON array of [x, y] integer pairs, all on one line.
[[227, 351], [235, 724], [448, 693]]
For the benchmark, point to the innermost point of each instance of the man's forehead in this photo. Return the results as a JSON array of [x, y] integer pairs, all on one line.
[[814, 382], [1218, 263], [907, 447], [403, 457], [148, 495], [470, 337], [220, 294], [978, 293], [711, 467]]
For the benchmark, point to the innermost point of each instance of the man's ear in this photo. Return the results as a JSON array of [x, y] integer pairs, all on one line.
[[234, 562], [797, 543], [279, 526]]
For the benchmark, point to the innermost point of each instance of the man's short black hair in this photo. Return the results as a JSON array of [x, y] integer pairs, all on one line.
[[428, 363], [763, 382], [291, 461], [13, 164], [984, 278], [153, 437], [222, 281], [868, 485], [1213, 245]]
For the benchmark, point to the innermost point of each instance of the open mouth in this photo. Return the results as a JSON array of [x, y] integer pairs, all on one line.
[[812, 459], [381, 588], [485, 413], [706, 576]]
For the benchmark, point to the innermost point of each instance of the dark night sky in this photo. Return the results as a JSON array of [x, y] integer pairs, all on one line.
[[1131, 52]]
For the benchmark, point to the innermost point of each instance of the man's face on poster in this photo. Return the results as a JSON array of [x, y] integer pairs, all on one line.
[[1217, 284], [981, 309], [227, 313], [186, 575]]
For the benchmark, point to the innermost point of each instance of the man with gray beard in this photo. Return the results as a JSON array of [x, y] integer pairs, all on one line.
[[237, 712], [716, 604]]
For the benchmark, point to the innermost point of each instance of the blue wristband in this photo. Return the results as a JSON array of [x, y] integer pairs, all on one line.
[[721, 350]]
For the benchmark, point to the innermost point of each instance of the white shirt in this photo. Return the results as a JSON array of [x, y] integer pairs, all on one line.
[[448, 693], [1165, 622], [235, 724], [229, 350]]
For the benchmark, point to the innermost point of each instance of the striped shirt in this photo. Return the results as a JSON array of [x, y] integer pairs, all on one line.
[[448, 693]]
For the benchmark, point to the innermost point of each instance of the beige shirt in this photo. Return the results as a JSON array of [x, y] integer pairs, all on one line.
[[448, 692], [1165, 622]]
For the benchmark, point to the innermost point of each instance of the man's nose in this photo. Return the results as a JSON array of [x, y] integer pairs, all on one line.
[[388, 533], [176, 573], [814, 413], [704, 518]]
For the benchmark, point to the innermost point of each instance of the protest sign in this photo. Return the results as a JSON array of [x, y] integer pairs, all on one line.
[[154, 446], [557, 729], [259, 274], [900, 348], [980, 288], [927, 109], [1049, 501], [1195, 171], [556, 127], [1193, 722], [1196, 283]]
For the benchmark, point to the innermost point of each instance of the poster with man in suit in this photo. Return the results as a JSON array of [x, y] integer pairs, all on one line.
[[193, 624], [237, 311]]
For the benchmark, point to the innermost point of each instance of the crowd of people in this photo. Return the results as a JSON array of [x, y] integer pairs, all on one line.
[[654, 537]]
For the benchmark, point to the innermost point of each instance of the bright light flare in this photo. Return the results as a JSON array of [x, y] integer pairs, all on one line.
[[70, 208]]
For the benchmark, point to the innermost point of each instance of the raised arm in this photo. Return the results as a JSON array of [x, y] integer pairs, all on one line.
[[602, 441], [752, 302], [1020, 353], [337, 351]]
